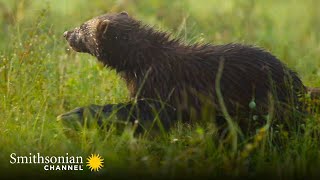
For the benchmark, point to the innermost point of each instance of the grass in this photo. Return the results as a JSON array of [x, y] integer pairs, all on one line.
[[40, 79]]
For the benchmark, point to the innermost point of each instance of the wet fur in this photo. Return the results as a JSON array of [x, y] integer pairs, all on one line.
[[163, 70]]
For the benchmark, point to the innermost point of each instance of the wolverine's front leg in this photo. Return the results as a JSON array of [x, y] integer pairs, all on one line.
[[143, 112], [88, 115]]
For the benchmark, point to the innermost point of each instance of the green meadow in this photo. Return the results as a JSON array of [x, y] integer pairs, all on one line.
[[40, 78]]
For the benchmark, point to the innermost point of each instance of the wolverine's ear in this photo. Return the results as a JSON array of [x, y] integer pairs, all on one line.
[[124, 13], [103, 27]]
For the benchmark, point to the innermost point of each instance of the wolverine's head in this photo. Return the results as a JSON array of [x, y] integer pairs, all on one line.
[[101, 34]]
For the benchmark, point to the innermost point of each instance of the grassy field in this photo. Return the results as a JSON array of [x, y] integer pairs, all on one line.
[[40, 79]]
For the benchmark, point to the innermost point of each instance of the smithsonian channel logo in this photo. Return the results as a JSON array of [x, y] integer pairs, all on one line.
[[60, 163]]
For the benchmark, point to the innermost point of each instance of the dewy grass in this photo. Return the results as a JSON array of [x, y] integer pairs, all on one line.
[[40, 79], [234, 130]]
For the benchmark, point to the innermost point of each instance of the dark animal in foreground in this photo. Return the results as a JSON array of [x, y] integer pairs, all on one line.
[[172, 80]]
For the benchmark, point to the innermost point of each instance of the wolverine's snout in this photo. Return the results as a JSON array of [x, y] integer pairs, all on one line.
[[75, 40], [65, 34]]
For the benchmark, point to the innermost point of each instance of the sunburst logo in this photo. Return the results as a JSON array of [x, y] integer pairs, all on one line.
[[95, 162]]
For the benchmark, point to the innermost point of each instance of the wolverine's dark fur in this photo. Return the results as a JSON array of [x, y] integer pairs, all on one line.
[[161, 69]]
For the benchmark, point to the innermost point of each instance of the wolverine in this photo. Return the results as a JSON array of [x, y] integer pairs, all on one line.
[[171, 80]]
